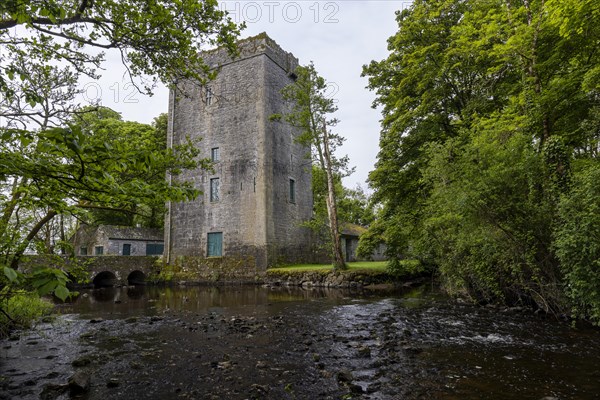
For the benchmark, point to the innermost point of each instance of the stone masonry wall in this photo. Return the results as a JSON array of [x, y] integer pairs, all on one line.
[[289, 241], [258, 157], [138, 247]]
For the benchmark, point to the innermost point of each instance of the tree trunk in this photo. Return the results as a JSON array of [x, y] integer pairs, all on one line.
[[63, 236], [11, 204], [34, 231], [338, 257]]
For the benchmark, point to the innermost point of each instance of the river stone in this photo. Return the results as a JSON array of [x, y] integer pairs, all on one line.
[[52, 390], [81, 362], [79, 383], [112, 383], [344, 376], [224, 365], [354, 388], [364, 352], [412, 350], [260, 390]]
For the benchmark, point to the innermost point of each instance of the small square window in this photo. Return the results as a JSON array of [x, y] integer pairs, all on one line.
[[214, 189], [83, 251], [215, 154], [292, 191], [98, 250], [214, 244]]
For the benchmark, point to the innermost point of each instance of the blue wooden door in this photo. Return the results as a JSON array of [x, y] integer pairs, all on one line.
[[215, 244]]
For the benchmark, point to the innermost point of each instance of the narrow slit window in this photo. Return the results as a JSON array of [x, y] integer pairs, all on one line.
[[215, 189], [215, 154], [292, 191], [209, 96]]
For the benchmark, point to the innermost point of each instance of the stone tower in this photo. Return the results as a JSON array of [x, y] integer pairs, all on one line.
[[260, 190]]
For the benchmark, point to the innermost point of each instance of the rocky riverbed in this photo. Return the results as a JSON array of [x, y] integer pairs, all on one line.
[[259, 343]]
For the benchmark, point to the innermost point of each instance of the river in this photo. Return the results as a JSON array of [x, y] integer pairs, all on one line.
[[251, 342]]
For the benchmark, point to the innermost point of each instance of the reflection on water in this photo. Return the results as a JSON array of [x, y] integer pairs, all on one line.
[[122, 301]]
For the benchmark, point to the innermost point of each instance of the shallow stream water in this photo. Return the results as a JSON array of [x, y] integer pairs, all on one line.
[[282, 343]]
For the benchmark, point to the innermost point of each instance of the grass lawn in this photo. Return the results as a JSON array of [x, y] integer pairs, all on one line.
[[353, 266]]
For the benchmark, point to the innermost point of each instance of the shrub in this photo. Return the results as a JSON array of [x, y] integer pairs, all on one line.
[[577, 242], [21, 310]]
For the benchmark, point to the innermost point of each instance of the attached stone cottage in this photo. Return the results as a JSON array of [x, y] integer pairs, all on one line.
[[117, 240]]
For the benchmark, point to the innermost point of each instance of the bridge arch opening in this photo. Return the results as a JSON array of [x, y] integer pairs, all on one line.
[[136, 278], [105, 279]]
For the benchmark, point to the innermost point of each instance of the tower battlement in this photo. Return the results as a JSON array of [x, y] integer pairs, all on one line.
[[260, 44]]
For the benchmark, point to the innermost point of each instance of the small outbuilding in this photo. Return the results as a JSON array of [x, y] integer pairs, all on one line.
[[118, 241], [350, 236], [349, 240]]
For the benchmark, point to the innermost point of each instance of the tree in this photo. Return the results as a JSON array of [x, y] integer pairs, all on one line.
[[158, 41], [107, 125], [54, 165], [65, 172], [487, 105], [355, 206], [310, 108], [102, 164]]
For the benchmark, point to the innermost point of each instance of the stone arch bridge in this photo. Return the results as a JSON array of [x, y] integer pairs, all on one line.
[[105, 271], [102, 270]]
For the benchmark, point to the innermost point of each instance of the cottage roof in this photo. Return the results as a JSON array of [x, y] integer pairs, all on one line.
[[353, 230], [131, 233]]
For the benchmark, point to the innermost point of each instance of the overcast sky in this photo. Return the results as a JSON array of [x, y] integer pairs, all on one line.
[[338, 36]]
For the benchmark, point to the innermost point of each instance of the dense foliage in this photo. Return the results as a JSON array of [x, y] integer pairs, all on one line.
[[150, 142], [156, 40], [488, 155]]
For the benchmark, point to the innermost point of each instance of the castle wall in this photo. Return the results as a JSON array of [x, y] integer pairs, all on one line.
[[258, 157], [289, 242]]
